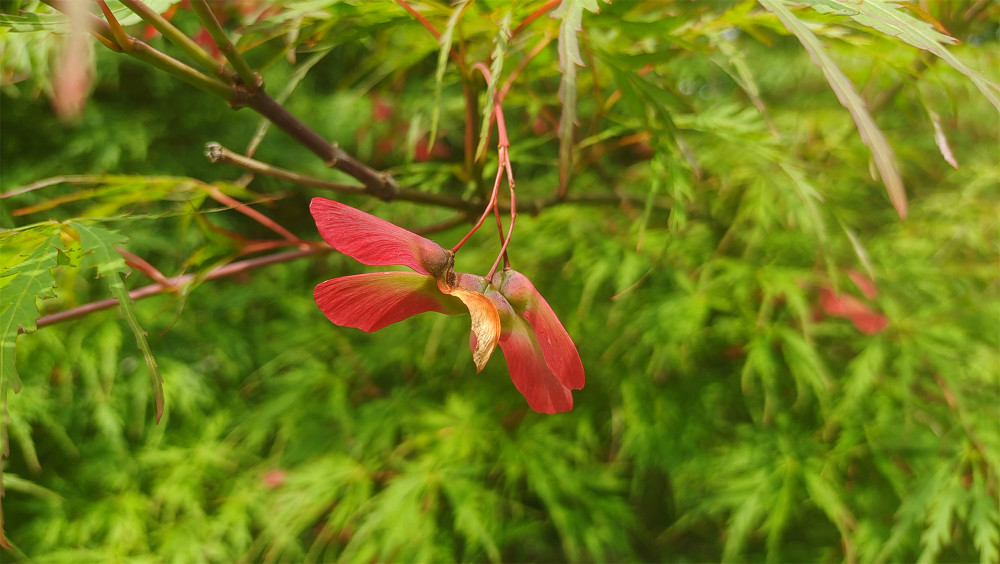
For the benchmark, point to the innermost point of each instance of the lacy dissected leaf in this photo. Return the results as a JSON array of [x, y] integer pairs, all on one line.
[[984, 522], [496, 69], [108, 195], [111, 266], [870, 133], [442, 64], [887, 17], [25, 275], [571, 12]]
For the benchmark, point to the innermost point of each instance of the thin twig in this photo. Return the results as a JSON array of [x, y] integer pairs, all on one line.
[[423, 21], [379, 183], [250, 78], [141, 264], [45, 182], [253, 214], [240, 95], [142, 51], [177, 37], [177, 282], [537, 13], [219, 154]]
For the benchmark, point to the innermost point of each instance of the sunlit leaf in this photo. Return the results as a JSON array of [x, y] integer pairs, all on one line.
[[571, 13], [887, 17], [848, 96], [442, 64]]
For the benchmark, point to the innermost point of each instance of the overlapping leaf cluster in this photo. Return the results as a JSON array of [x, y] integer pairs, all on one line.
[[728, 414]]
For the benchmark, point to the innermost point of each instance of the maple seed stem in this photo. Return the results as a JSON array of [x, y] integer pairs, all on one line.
[[490, 206], [503, 165]]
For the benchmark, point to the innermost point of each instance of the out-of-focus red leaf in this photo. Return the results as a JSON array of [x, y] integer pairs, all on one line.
[[865, 284], [863, 317]]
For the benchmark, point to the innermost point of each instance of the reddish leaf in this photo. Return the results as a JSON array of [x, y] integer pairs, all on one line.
[[375, 300], [274, 479], [374, 241], [866, 286], [863, 317]]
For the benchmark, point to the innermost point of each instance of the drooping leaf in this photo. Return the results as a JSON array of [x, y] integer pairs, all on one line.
[[870, 133], [826, 494], [571, 12], [941, 140], [111, 267], [887, 17], [442, 64]]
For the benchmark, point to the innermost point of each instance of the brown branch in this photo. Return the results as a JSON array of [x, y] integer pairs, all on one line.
[[142, 265], [226, 47], [172, 284], [241, 95], [379, 183], [142, 51], [219, 154], [178, 281], [178, 38]]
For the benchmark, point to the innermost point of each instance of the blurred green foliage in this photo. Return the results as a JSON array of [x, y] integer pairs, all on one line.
[[728, 415]]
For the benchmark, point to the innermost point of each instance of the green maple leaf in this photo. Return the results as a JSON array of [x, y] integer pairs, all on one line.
[[111, 267]]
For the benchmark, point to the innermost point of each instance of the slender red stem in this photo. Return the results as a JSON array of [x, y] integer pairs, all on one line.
[[260, 218], [491, 206], [430, 27], [535, 15], [178, 282], [486, 212], [139, 263], [520, 66], [513, 205], [503, 165], [503, 156]]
